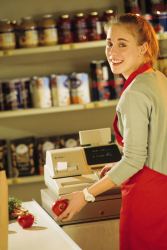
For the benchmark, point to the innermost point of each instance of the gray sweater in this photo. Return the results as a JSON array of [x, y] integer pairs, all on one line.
[[142, 121]]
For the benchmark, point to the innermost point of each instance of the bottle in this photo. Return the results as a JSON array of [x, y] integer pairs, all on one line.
[[65, 29], [94, 27], [132, 6], [108, 15], [80, 28], [47, 30], [3, 211], [28, 35], [7, 35]]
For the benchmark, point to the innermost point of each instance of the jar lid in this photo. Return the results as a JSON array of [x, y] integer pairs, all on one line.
[[94, 13], [5, 25]]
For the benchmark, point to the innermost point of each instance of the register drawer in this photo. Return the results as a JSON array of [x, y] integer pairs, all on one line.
[[105, 207]]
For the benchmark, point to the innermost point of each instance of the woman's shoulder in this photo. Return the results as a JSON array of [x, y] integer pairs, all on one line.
[[149, 81]]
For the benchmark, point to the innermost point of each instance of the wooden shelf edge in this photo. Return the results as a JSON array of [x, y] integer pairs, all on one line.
[[54, 48], [73, 107]]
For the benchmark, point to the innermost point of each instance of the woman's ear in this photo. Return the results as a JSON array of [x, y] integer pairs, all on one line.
[[143, 48]]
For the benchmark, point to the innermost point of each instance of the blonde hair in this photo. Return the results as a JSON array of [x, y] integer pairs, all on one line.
[[143, 31]]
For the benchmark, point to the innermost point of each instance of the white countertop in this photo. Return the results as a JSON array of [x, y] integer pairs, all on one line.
[[45, 234]]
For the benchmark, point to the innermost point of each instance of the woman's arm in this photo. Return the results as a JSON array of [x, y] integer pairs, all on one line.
[[77, 201]]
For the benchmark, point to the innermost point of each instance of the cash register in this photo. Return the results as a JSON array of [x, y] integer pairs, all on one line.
[[71, 169]]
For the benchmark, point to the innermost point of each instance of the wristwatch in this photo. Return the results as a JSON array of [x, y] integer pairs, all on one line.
[[88, 196]]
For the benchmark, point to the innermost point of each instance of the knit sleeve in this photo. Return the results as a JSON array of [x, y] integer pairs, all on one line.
[[134, 112]]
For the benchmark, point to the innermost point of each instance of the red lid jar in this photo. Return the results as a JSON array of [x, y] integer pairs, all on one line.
[[64, 29]]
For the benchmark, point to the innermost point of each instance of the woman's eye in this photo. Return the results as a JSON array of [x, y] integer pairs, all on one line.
[[109, 45], [122, 45]]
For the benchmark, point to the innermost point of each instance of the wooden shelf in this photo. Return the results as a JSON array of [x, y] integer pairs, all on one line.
[[52, 49], [74, 107], [26, 180]]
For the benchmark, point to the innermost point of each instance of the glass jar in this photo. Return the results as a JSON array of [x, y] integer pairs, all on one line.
[[28, 35], [47, 30], [107, 16], [65, 30], [80, 28], [94, 27], [7, 35]]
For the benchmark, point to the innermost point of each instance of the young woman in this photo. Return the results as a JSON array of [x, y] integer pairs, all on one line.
[[140, 126]]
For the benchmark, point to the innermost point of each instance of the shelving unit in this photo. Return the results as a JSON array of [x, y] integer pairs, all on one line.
[[40, 61]]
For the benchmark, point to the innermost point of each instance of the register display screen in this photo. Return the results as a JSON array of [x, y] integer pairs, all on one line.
[[102, 154]]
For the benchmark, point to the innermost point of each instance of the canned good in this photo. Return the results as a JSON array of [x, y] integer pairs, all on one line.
[[7, 35], [65, 29], [3, 156], [41, 93], [80, 28], [54, 91], [79, 88], [160, 21], [103, 84], [26, 93], [12, 94], [47, 30], [28, 35], [2, 107]]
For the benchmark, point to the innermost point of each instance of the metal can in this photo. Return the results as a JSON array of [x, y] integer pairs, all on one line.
[[64, 26], [3, 156], [2, 107], [54, 91], [26, 93], [12, 94], [40, 92], [103, 84], [47, 30]]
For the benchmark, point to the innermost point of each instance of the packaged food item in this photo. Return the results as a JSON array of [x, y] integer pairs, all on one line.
[[94, 27], [12, 94], [64, 26], [79, 88], [54, 91], [63, 90], [102, 81], [108, 15], [26, 93], [41, 92], [7, 35], [160, 21], [132, 6], [42, 145], [3, 156], [80, 28], [22, 155], [28, 35], [69, 140], [47, 30], [2, 106]]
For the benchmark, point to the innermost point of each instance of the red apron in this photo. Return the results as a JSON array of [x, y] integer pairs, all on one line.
[[143, 216]]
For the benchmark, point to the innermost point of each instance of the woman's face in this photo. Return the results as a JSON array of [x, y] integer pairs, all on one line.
[[123, 53]]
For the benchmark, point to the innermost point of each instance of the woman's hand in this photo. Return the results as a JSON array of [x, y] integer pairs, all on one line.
[[76, 202], [106, 168]]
